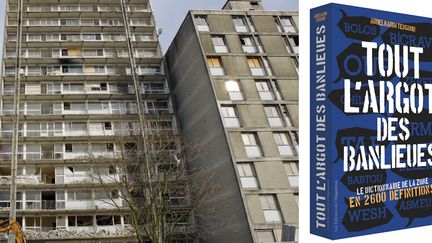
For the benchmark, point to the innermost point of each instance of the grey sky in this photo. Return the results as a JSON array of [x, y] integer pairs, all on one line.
[[170, 13]]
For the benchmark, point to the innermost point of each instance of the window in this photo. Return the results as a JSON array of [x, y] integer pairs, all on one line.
[[273, 116], [69, 22], [248, 44], [256, 66], [107, 126], [72, 69], [95, 69], [292, 171], [267, 89], [80, 220], [250, 23], [285, 24], [284, 144], [270, 208], [292, 43], [94, 52], [296, 63], [215, 65], [80, 195], [219, 44], [98, 106], [240, 24], [267, 66], [33, 200], [66, 106], [247, 175], [107, 219], [201, 23], [98, 87], [91, 37], [154, 88], [71, 52], [233, 88], [110, 147], [230, 116], [68, 148], [157, 107], [150, 70], [294, 136], [250, 142], [265, 236], [251, 44], [34, 37]]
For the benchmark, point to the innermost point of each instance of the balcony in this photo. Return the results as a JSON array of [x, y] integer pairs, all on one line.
[[88, 178], [78, 8], [6, 180]]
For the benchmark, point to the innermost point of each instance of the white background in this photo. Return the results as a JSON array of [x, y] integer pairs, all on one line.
[[414, 7]]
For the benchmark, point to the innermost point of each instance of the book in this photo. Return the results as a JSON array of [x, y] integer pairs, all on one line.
[[371, 121]]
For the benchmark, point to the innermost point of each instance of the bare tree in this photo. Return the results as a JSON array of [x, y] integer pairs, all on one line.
[[151, 184]]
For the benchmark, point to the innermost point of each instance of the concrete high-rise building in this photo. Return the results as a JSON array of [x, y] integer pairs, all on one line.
[[77, 95], [234, 75]]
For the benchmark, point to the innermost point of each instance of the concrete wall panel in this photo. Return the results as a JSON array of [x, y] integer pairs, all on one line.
[[207, 44], [289, 208], [235, 66], [274, 45], [294, 114], [255, 209], [268, 144], [220, 23], [252, 116], [289, 89], [283, 66], [264, 23], [249, 90], [271, 175]]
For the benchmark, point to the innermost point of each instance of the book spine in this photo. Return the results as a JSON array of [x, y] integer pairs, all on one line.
[[320, 188]]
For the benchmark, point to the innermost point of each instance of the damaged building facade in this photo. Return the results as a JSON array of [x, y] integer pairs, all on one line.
[[77, 96]]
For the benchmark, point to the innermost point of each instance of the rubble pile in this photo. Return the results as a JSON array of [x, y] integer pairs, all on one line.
[[75, 234]]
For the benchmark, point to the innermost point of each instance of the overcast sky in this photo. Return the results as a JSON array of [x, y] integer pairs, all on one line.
[[170, 13]]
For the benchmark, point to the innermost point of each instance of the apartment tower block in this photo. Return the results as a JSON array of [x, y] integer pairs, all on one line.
[[77, 95], [234, 76]]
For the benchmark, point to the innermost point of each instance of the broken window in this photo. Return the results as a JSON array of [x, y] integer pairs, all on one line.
[[103, 220], [68, 148], [108, 126], [110, 147], [80, 221]]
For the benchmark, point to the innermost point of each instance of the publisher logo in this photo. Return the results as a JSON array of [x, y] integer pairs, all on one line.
[[319, 17]]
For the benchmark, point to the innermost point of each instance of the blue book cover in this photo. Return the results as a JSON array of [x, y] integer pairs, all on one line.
[[371, 121]]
